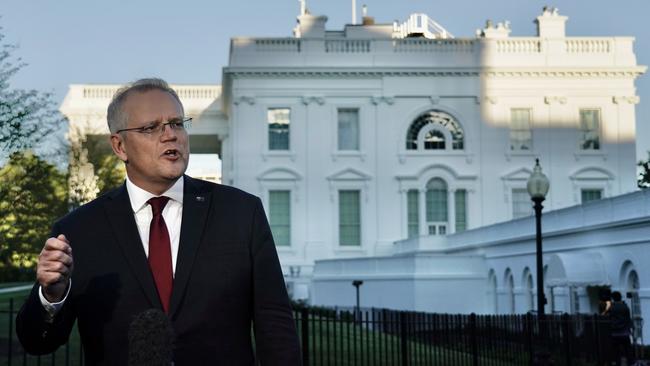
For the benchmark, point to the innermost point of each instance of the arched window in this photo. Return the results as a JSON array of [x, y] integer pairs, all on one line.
[[434, 140], [436, 206], [528, 286], [510, 292], [632, 291], [492, 293], [429, 132]]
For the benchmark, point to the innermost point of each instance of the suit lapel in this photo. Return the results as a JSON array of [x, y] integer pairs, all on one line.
[[196, 204], [120, 216]]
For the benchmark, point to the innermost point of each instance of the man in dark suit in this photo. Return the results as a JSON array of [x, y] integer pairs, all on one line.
[[201, 252]]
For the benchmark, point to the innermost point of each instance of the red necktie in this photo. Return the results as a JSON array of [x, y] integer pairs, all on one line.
[[160, 252]]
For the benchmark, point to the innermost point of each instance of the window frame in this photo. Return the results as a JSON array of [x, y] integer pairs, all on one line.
[[513, 130], [268, 130], [338, 216], [512, 202], [270, 216], [281, 178], [449, 138], [582, 131], [337, 134]]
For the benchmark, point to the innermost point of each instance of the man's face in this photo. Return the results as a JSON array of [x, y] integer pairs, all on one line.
[[155, 161]]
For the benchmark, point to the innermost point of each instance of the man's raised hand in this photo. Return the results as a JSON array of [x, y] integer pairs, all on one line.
[[55, 268]]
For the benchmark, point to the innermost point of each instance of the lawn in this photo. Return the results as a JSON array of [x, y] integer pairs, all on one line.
[[332, 341], [341, 343], [13, 284]]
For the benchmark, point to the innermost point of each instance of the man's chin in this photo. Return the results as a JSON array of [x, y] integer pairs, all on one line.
[[175, 172], [173, 177]]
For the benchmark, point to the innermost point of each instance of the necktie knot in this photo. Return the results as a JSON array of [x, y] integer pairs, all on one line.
[[158, 204]]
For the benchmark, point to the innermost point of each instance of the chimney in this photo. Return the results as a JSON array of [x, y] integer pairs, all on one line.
[[366, 20], [310, 26], [551, 24]]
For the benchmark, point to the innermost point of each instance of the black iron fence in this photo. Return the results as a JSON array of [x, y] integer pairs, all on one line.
[[388, 337], [336, 337]]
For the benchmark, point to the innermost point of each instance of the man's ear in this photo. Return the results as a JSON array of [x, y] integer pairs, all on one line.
[[117, 143]]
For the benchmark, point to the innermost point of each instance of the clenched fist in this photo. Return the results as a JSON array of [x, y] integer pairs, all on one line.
[[55, 268]]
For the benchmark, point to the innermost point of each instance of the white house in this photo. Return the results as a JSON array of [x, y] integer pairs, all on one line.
[[361, 138]]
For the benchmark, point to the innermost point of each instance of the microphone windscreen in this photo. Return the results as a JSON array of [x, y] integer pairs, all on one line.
[[151, 339]]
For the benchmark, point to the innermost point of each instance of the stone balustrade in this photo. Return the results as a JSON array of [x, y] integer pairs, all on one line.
[[451, 52], [184, 92]]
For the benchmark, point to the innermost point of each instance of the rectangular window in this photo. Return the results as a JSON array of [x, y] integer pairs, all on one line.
[[436, 205], [589, 195], [348, 129], [460, 201], [279, 120], [521, 137], [350, 218], [413, 209], [280, 217], [522, 206], [589, 129]]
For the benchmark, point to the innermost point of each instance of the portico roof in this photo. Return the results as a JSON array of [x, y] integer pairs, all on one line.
[[576, 269]]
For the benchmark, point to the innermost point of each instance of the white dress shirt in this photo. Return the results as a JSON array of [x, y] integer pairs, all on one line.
[[172, 213], [142, 212]]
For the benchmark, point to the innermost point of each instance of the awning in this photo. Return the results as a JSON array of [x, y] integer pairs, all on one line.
[[576, 269]]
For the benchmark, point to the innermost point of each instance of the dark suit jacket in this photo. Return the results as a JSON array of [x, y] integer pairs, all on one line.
[[227, 276]]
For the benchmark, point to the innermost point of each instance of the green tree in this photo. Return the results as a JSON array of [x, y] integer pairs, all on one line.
[[27, 117], [34, 199], [93, 167], [643, 179], [82, 181], [109, 169]]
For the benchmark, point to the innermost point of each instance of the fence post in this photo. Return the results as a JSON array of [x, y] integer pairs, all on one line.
[[567, 338], [404, 344], [10, 338], [599, 353], [472, 324], [530, 329], [304, 315]]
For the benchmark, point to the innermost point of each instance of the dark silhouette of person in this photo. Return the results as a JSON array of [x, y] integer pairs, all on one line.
[[621, 328]]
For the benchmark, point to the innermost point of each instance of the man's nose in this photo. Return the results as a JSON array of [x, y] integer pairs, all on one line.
[[167, 132]]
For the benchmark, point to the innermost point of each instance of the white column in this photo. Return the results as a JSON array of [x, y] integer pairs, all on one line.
[[403, 196], [424, 230], [451, 212]]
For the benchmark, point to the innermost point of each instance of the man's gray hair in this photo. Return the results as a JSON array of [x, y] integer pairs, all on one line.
[[117, 117]]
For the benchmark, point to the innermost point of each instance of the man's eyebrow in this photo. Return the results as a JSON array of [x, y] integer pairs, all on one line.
[[161, 120]]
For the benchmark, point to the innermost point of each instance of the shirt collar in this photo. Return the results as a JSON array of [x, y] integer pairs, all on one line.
[[139, 196]]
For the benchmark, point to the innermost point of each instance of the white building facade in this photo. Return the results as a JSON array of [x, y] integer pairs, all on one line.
[[588, 248], [361, 138]]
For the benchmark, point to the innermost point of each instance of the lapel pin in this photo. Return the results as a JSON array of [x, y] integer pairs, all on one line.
[[200, 198]]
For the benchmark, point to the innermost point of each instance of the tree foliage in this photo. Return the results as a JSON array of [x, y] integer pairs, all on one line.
[[33, 192], [643, 179], [34, 199], [82, 181], [27, 117], [109, 169]]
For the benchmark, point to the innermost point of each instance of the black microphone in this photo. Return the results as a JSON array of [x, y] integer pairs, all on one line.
[[151, 339]]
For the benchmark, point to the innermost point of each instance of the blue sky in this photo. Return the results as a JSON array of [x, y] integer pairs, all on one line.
[[80, 41]]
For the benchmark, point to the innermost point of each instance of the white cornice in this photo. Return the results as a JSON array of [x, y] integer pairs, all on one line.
[[565, 72], [535, 72], [347, 72]]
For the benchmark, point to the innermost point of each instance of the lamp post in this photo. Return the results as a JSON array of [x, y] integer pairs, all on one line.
[[357, 284], [538, 185]]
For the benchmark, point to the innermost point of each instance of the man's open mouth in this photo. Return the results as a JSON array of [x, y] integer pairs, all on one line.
[[172, 153]]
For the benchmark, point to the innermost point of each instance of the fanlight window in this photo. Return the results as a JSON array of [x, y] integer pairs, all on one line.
[[434, 140], [435, 122]]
